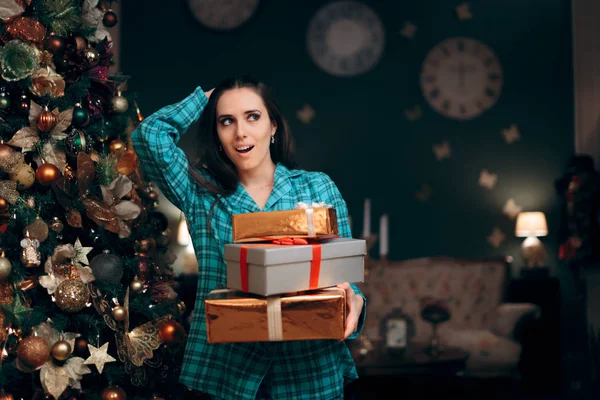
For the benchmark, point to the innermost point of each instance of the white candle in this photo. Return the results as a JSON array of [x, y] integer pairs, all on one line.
[[383, 236], [367, 219]]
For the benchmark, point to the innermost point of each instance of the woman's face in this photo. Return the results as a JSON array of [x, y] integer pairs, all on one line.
[[244, 128]]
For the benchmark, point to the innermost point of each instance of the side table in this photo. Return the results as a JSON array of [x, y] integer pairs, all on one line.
[[415, 374]]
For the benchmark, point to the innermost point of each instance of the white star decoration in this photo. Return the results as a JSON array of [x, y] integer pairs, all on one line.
[[424, 193], [511, 209], [442, 150], [409, 30], [496, 238], [82, 253], [305, 114], [511, 134], [487, 179], [413, 114], [463, 12], [99, 356]]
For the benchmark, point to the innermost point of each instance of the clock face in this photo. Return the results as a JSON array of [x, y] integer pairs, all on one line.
[[223, 15], [461, 78], [345, 38]]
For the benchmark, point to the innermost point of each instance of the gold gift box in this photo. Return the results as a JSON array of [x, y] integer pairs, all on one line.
[[266, 225], [233, 316]]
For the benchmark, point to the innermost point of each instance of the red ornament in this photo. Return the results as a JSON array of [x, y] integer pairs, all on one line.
[[171, 331], [110, 19]]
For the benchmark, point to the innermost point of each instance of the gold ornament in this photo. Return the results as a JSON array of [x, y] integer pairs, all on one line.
[[61, 350], [91, 56], [136, 285], [47, 174], [181, 308], [72, 295], [33, 352], [57, 225], [6, 293], [30, 202], [117, 147], [120, 103], [24, 176], [5, 267], [3, 205], [37, 230], [113, 393], [171, 331], [64, 270], [119, 313], [30, 255], [99, 356]]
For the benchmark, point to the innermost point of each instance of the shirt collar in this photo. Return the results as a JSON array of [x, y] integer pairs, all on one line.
[[282, 186]]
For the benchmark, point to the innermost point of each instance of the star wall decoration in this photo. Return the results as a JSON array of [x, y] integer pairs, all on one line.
[[511, 134], [413, 114], [511, 209], [487, 179], [408, 30], [496, 238], [463, 12], [442, 150], [306, 114]]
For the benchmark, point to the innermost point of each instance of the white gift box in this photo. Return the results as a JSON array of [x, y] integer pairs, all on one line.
[[269, 269]]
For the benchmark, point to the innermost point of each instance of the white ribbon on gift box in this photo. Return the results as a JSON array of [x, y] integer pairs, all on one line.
[[274, 321], [310, 214]]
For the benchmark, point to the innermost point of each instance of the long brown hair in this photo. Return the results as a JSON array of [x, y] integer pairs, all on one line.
[[214, 161]]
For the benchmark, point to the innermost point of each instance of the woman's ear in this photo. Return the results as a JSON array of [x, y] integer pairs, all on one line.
[[273, 127]]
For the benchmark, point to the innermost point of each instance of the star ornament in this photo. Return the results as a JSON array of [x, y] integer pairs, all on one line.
[[99, 356], [82, 252], [16, 312]]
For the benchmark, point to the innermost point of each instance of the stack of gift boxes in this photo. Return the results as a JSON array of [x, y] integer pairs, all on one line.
[[282, 272]]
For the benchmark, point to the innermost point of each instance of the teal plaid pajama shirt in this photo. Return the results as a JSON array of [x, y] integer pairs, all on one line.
[[312, 369]]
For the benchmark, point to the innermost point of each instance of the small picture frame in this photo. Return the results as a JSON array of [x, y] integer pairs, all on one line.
[[397, 330]]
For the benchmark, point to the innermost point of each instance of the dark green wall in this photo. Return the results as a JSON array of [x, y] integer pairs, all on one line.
[[360, 136]]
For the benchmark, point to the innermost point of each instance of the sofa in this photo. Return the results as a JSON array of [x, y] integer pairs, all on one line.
[[473, 290]]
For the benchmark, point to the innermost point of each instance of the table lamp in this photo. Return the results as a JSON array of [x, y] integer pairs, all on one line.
[[532, 225]]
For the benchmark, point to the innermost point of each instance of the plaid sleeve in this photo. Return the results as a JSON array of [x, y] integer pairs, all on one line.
[[155, 142], [337, 201]]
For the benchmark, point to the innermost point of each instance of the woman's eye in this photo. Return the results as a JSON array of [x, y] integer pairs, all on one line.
[[254, 117], [226, 121]]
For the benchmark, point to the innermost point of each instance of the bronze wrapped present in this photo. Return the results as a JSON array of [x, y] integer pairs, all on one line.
[[297, 223], [233, 316]]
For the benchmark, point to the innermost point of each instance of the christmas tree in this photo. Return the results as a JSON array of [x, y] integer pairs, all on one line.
[[88, 308]]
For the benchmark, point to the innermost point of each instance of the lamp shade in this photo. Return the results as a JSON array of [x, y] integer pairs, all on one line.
[[531, 224]]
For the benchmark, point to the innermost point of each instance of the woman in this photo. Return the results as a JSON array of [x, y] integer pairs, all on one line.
[[246, 166]]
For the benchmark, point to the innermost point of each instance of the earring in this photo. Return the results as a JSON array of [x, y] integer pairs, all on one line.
[[220, 148], [272, 139]]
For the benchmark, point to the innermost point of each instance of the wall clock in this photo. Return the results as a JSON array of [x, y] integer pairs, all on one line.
[[345, 38], [461, 78], [223, 15]]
